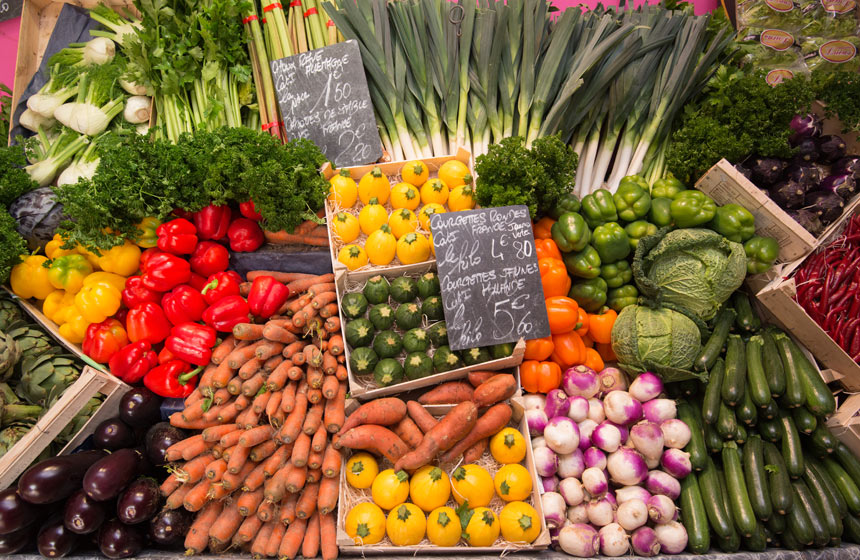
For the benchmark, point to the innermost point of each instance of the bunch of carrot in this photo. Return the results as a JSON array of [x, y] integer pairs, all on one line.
[[262, 474], [309, 232]]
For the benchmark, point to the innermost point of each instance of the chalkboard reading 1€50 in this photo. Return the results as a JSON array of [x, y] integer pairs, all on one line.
[[323, 97], [488, 270]]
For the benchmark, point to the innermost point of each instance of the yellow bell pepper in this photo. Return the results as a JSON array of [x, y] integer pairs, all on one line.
[[54, 248], [75, 328], [146, 236], [57, 306], [108, 278], [29, 279], [98, 301], [68, 272], [123, 259], [91, 256]]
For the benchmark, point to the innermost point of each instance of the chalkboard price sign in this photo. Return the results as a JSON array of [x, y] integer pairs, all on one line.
[[323, 96], [488, 269], [10, 9]]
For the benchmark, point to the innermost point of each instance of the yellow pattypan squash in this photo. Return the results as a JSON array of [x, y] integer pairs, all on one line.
[[508, 446], [429, 488], [345, 227], [381, 246], [455, 173], [426, 212], [365, 523], [372, 216], [413, 248], [352, 256], [473, 484], [404, 195], [513, 482], [390, 489], [361, 469], [415, 172], [519, 522], [406, 525], [374, 184], [483, 527], [344, 191], [461, 198], [443, 527], [434, 190], [402, 221]]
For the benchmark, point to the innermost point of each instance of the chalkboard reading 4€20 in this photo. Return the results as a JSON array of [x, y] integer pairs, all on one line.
[[488, 270], [323, 97]]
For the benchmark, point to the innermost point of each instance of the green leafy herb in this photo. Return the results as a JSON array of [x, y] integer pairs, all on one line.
[[14, 181], [840, 92], [12, 245]]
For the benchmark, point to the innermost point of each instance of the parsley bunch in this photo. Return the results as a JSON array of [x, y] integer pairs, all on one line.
[[14, 181], [840, 92]]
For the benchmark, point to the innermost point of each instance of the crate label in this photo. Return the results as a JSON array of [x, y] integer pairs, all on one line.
[[777, 39], [837, 51]]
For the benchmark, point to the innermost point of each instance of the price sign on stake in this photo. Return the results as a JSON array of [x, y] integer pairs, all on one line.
[[10, 9], [323, 97], [488, 270]]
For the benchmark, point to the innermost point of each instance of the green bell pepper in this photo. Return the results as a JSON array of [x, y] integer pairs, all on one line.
[[619, 298], [631, 201], [692, 208], [761, 252], [734, 222], [637, 230], [584, 264], [616, 274], [660, 214], [567, 203], [589, 294], [570, 232], [667, 187], [637, 180], [68, 272], [599, 208], [611, 242]]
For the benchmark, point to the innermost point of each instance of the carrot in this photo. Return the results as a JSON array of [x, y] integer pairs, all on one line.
[[221, 396], [255, 436], [195, 498], [225, 347], [196, 410], [340, 372], [495, 389], [198, 536], [293, 424], [328, 536], [284, 277], [278, 378], [275, 333], [332, 324], [299, 358], [284, 238], [275, 539], [222, 375], [217, 450], [218, 491], [296, 478], [408, 432], [177, 497], [443, 436], [261, 401], [314, 396], [318, 442], [248, 502], [242, 402], [295, 373], [331, 462], [195, 469], [250, 367], [334, 410], [195, 396], [304, 315], [327, 498], [234, 387], [493, 420], [272, 363], [186, 449], [301, 450], [255, 478], [247, 530], [374, 438], [216, 469], [274, 403], [275, 487], [277, 419], [251, 419], [335, 345], [291, 349], [329, 363], [170, 484], [452, 392], [297, 304], [287, 512], [266, 351], [382, 412], [320, 288], [177, 422], [292, 540], [311, 542], [204, 382], [313, 356], [227, 453], [238, 458], [329, 310], [231, 481], [314, 418], [477, 377], [288, 400], [315, 459], [323, 299], [423, 419], [476, 451], [268, 511], [252, 385], [307, 504], [276, 460], [225, 525], [261, 540], [314, 475], [232, 438], [248, 331], [302, 284], [315, 374]]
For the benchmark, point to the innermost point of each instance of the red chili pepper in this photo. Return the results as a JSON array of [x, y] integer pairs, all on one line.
[[213, 221], [221, 285], [226, 313], [165, 356], [267, 296], [174, 380], [182, 304], [198, 282], [855, 343], [177, 237], [209, 257], [245, 235], [147, 322], [104, 339], [162, 271], [248, 210], [132, 362], [192, 343], [136, 293]]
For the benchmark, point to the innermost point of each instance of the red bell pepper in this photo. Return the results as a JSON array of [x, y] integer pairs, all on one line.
[[147, 322], [183, 303], [213, 221], [209, 257], [182, 213], [121, 315], [104, 339], [267, 296], [162, 272], [226, 313], [132, 362], [198, 282], [192, 343], [248, 210], [136, 293], [165, 356], [174, 380], [245, 235], [221, 285], [177, 237]]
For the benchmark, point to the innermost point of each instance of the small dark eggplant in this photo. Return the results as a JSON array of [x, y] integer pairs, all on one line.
[[84, 515], [113, 434], [16, 541], [159, 438], [15, 512], [107, 477], [831, 147], [140, 408], [808, 220], [119, 541], [827, 205], [804, 174], [804, 126], [745, 171], [807, 151], [54, 540], [767, 171], [843, 185], [788, 194], [168, 527], [849, 165], [138, 502], [57, 478]]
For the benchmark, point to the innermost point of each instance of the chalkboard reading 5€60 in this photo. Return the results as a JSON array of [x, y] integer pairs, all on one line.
[[488, 270], [323, 97]]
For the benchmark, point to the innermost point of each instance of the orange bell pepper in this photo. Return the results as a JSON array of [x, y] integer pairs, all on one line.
[[582, 324], [600, 326], [586, 340], [563, 313], [568, 350], [542, 228], [540, 377], [538, 348], [547, 249], [606, 352], [593, 359], [553, 277]]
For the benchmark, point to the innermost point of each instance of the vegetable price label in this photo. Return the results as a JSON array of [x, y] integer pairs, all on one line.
[[323, 97], [10, 9], [488, 270]]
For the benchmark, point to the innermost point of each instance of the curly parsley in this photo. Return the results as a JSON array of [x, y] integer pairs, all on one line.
[[840, 92], [12, 245], [14, 181]]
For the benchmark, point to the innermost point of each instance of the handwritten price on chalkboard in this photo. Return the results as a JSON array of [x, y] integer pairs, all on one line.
[[503, 317], [4, 7]]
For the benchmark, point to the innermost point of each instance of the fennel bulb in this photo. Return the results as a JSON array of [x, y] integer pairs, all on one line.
[[32, 120], [134, 88], [76, 171], [137, 109]]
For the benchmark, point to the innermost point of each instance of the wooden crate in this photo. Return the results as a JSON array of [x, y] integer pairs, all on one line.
[[347, 546], [845, 423], [90, 383]]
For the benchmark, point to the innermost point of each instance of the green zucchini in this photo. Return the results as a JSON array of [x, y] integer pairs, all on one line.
[[778, 481], [851, 526], [719, 517], [408, 316], [382, 316], [789, 541], [713, 393], [804, 420], [446, 360], [734, 383], [695, 519], [359, 332], [416, 340], [848, 461], [776, 523], [746, 409], [404, 289], [388, 371], [757, 542], [377, 290], [819, 398], [712, 348], [363, 360], [739, 499], [353, 305], [727, 424], [438, 334], [417, 365], [432, 308], [793, 395], [713, 441], [770, 411], [756, 379], [696, 446], [756, 479], [772, 364], [730, 545], [824, 439], [501, 351], [819, 471], [791, 450], [734, 539], [387, 344], [769, 430], [826, 503], [803, 497], [688, 387], [740, 434], [746, 320], [798, 523], [844, 484], [474, 356], [428, 285]]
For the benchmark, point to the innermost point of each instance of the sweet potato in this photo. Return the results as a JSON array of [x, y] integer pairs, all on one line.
[[493, 420], [474, 453], [477, 377], [371, 437], [423, 419], [382, 412], [409, 432], [495, 389], [452, 392], [453, 427]]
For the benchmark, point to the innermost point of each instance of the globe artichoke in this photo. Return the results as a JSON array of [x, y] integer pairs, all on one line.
[[9, 355], [10, 435], [31, 340], [76, 423], [45, 377], [9, 313]]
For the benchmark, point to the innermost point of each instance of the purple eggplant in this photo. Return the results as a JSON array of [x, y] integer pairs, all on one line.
[[138, 502], [106, 478], [849, 165], [15, 512], [807, 151], [804, 126], [805, 174], [827, 205], [831, 147], [744, 170], [57, 478], [808, 220], [54, 540], [788, 194], [16, 541], [159, 438], [113, 434], [767, 171], [168, 527], [119, 541], [140, 408], [843, 185], [84, 515]]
